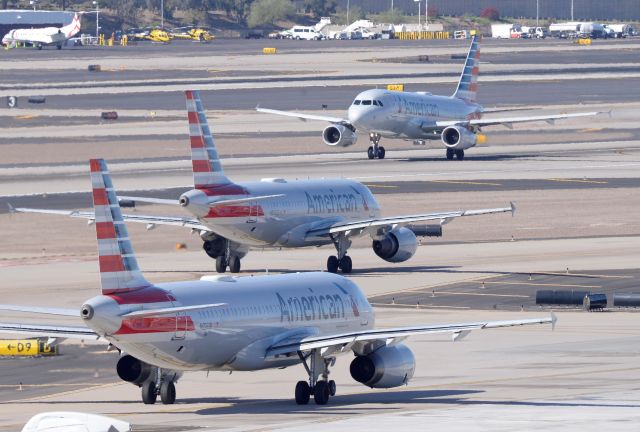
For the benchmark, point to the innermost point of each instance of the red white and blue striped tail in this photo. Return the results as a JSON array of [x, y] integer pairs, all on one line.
[[468, 84], [207, 170], [118, 266]]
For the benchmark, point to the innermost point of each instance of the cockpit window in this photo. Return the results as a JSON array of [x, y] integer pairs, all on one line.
[[375, 102], [356, 102], [380, 103], [366, 102]]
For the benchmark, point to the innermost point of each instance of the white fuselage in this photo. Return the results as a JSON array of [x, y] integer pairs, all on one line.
[[257, 313], [284, 220], [44, 36], [407, 115]]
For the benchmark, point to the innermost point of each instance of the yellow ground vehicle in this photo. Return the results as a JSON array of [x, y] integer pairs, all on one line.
[[192, 33]]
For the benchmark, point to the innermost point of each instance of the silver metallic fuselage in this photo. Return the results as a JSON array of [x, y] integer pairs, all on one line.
[[408, 115], [284, 220], [257, 313]]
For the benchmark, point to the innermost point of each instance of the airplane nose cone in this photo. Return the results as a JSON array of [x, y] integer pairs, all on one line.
[[356, 115], [196, 202]]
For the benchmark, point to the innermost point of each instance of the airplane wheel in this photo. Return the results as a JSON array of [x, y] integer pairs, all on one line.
[[370, 152], [460, 154], [149, 394], [332, 264], [221, 265], [332, 388], [168, 393], [234, 264], [450, 153], [381, 152], [346, 264], [303, 393], [321, 393]]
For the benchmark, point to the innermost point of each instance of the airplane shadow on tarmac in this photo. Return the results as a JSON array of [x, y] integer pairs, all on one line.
[[479, 158]]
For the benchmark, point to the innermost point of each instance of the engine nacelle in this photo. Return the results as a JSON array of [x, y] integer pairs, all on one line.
[[389, 366], [458, 138], [132, 370], [339, 135], [397, 245]]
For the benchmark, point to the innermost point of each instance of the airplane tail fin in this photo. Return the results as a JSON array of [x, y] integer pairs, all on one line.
[[468, 83], [119, 270], [207, 170], [72, 29]]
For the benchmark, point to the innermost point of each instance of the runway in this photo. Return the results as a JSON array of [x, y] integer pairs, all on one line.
[[575, 185]]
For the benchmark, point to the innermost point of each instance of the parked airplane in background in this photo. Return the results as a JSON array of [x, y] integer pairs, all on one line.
[[233, 217], [419, 116], [43, 36], [232, 324]]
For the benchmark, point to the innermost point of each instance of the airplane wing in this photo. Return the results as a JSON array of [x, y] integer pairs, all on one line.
[[508, 122], [339, 343], [147, 219], [213, 203], [304, 117], [445, 217]]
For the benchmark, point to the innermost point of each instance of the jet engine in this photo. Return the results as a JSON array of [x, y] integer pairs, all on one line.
[[458, 138], [397, 245], [132, 370], [339, 135], [389, 366]]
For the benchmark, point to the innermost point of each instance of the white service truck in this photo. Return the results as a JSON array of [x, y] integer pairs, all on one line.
[[505, 31]]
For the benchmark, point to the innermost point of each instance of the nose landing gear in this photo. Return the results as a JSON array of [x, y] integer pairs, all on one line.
[[375, 150]]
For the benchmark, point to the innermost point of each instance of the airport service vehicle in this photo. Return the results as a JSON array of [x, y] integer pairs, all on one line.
[[454, 120], [505, 31], [535, 32], [234, 217], [305, 33], [232, 324], [620, 30], [40, 37]]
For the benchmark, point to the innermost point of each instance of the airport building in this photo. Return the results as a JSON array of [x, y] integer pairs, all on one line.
[[13, 19], [588, 10]]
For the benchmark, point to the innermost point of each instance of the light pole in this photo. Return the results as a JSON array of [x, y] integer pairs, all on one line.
[[162, 14], [426, 14], [97, 18], [419, 14], [537, 13], [34, 3], [571, 10], [348, 13]]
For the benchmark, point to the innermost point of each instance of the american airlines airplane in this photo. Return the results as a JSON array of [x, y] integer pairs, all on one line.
[[455, 120], [232, 324], [234, 217], [43, 36]]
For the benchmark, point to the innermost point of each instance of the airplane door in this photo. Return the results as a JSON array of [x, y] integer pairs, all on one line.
[[181, 326], [253, 212]]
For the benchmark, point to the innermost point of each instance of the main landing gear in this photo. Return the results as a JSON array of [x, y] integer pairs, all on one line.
[[220, 249], [319, 384], [375, 150], [342, 261], [162, 386], [459, 154]]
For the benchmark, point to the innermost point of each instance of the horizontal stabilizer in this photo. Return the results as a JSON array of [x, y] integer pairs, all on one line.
[[150, 200], [170, 311], [41, 310]]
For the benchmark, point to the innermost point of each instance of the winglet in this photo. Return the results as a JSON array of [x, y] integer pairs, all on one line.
[[554, 320], [513, 209]]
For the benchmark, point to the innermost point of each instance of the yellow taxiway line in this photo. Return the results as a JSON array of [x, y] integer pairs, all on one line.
[[577, 181]]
